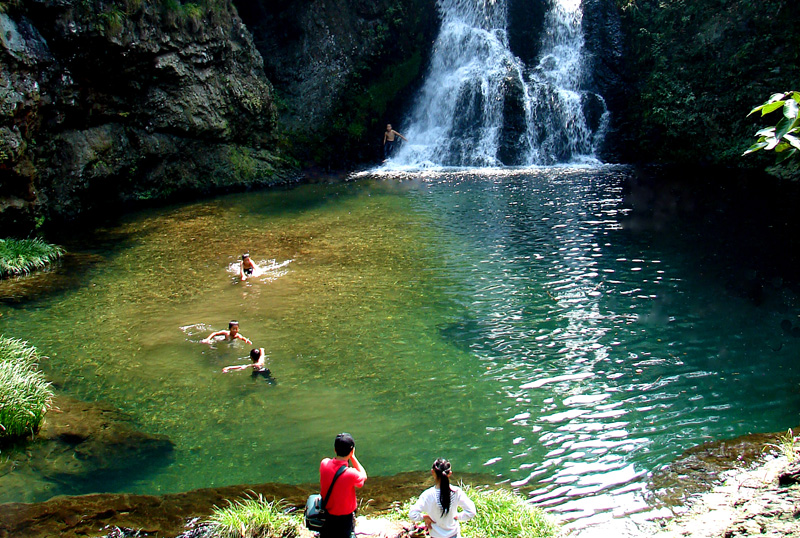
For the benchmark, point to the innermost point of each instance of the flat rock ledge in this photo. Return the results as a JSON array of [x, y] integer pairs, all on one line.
[[761, 501]]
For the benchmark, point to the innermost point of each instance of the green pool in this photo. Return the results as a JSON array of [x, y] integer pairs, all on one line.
[[523, 323]]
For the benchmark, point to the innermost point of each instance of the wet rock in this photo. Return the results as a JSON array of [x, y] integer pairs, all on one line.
[[701, 467], [525, 26], [791, 476], [605, 55], [78, 443], [512, 150]]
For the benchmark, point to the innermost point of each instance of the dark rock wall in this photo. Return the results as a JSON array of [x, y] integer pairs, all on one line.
[[342, 70], [102, 103]]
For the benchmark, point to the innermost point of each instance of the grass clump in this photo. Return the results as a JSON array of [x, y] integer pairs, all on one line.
[[503, 514], [21, 256], [787, 445], [25, 396], [255, 518]]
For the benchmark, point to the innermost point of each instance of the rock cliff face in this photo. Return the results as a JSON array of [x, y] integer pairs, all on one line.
[[108, 102], [343, 69]]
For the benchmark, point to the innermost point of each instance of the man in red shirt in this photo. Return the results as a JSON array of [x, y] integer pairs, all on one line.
[[341, 506]]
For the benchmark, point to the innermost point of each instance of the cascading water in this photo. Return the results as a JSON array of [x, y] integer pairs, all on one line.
[[482, 106]]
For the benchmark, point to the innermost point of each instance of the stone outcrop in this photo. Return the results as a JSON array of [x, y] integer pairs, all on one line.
[[102, 103]]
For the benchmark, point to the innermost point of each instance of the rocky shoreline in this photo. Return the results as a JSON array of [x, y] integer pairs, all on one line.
[[723, 489], [760, 499]]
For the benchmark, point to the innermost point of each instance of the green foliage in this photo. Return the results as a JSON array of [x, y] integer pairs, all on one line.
[[255, 518], [8, 5], [500, 513], [112, 20], [693, 66], [21, 256], [25, 396], [503, 514], [784, 137]]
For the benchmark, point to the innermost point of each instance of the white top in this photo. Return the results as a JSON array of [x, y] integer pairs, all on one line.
[[444, 525]]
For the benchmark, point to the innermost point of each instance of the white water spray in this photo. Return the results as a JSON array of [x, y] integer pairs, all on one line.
[[476, 86]]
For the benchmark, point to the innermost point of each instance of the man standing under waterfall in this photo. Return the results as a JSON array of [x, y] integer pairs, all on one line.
[[389, 141]]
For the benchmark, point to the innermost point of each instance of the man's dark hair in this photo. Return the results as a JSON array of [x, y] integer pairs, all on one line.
[[344, 444]]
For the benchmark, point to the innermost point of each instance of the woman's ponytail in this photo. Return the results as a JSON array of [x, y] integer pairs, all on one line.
[[442, 469]]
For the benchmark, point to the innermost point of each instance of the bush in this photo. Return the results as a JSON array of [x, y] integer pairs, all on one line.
[[21, 256], [503, 514], [255, 518], [25, 396]]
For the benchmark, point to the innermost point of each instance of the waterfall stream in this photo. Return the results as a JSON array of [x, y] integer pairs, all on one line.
[[481, 105]]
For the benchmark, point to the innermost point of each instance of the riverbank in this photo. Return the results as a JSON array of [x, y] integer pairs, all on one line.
[[755, 501]]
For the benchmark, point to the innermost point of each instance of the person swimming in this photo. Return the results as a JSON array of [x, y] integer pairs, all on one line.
[[257, 356], [231, 334], [247, 267]]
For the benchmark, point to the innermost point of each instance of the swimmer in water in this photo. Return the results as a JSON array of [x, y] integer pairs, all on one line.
[[231, 334], [247, 266], [257, 356]]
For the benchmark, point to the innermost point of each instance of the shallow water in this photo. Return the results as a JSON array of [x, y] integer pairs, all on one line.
[[525, 323]]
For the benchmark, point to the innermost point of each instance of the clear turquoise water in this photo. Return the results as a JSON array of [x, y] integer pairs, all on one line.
[[521, 323]]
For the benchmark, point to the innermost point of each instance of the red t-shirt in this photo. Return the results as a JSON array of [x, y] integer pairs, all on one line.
[[343, 498]]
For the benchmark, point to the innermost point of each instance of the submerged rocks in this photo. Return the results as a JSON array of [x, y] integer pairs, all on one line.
[[79, 443]]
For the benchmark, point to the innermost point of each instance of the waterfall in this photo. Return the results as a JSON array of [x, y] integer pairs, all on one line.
[[480, 105]]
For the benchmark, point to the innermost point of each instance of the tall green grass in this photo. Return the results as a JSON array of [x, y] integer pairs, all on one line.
[[25, 396], [503, 514], [500, 513], [21, 256], [255, 518]]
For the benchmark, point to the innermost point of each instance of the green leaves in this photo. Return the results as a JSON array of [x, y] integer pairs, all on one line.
[[784, 137]]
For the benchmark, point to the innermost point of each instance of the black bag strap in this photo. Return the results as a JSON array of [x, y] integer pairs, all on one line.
[[330, 488]]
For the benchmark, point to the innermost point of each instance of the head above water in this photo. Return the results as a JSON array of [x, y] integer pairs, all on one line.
[[388, 126], [255, 354], [245, 255], [233, 325], [344, 444]]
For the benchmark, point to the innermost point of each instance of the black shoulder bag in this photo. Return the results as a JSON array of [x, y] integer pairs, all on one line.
[[315, 513]]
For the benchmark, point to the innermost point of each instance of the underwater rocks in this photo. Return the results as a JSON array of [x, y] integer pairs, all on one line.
[[79, 443]]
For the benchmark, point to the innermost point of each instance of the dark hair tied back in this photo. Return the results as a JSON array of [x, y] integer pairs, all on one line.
[[442, 469]]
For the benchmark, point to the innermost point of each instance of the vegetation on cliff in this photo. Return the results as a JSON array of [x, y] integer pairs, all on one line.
[[784, 137], [21, 256], [694, 68], [25, 396]]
